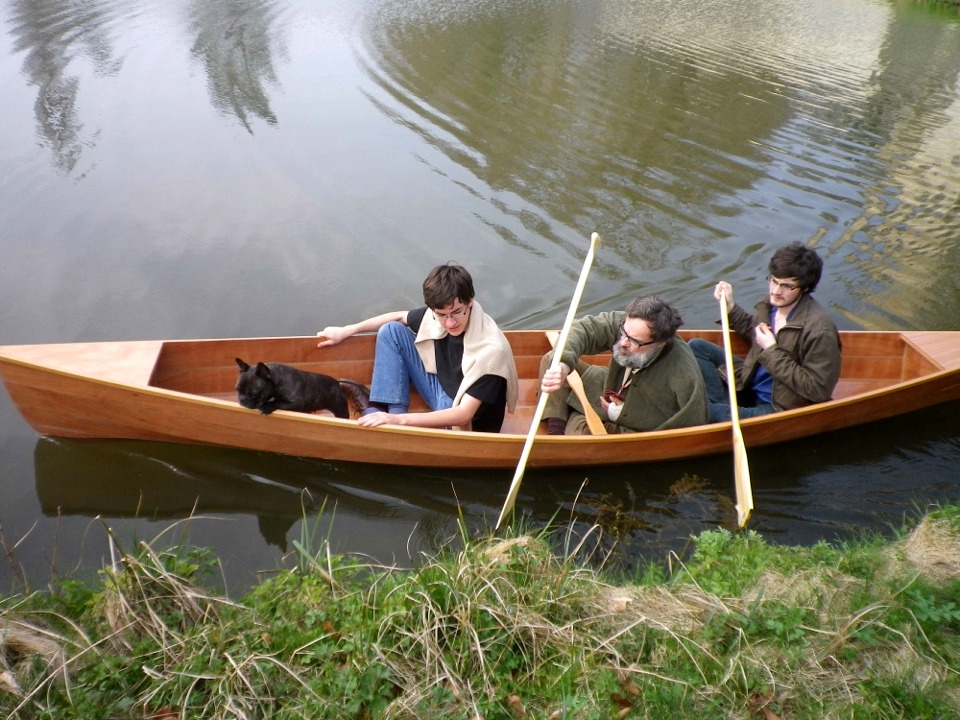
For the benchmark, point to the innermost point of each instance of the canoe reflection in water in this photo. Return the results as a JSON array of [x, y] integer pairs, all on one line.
[[867, 478], [402, 509]]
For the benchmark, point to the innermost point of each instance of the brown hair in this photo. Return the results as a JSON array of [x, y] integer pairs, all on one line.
[[795, 260], [447, 283]]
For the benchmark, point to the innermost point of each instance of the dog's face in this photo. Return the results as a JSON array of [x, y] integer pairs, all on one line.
[[255, 386]]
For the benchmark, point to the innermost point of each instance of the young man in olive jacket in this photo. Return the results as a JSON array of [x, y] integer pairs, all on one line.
[[652, 382], [794, 357]]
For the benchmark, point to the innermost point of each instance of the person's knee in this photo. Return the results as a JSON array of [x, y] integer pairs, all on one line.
[[720, 412], [394, 336], [708, 356], [545, 362], [389, 329], [701, 348]]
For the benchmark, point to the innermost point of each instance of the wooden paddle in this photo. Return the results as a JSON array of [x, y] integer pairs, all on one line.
[[741, 467], [538, 413], [594, 423]]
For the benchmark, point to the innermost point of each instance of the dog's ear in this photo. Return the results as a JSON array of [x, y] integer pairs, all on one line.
[[242, 365], [263, 371]]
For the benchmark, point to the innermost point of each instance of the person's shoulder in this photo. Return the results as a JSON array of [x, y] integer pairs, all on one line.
[[680, 348], [415, 317], [815, 312], [607, 317]]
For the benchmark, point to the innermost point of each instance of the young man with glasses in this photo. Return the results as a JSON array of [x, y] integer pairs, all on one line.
[[794, 357], [651, 383], [450, 350]]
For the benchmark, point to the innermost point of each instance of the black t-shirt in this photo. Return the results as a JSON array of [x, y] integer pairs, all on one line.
[[490, 390]]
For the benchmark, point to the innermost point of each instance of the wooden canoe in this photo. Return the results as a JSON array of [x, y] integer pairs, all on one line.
[[182, 391]]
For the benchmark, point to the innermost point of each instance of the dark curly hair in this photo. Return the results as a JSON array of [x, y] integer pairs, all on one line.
[[663, 319], [799, 261]]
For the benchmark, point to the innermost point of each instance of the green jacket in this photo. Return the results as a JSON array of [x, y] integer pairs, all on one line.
[[805, 362], [669, 393]]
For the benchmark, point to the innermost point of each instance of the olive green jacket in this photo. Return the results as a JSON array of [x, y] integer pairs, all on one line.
[[669, 393]]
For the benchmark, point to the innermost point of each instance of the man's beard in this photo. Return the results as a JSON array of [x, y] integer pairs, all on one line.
[[637, 360]]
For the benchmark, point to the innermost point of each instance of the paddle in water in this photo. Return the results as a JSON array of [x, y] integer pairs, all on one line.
[[541, 404], [741, 466]]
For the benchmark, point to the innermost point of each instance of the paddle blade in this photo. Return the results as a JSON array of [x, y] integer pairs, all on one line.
[[741, 470], [522, 464], [594, 423]]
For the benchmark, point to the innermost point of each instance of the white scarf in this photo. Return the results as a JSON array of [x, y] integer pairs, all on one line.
[[486, 351]]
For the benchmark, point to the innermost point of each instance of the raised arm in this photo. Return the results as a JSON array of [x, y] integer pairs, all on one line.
[[334, 334]]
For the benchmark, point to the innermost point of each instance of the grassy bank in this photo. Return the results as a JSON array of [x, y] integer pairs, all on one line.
[[503, 628]]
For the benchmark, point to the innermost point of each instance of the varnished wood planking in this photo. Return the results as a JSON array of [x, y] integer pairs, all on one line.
[[114, 400]]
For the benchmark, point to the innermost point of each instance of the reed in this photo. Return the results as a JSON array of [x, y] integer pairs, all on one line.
[[502, 628]]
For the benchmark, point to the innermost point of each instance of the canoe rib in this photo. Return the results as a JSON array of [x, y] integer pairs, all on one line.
[[182, 391]]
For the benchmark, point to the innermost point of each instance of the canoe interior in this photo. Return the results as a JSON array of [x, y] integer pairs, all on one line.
[[871, 361], [209, 368], [183, 391]]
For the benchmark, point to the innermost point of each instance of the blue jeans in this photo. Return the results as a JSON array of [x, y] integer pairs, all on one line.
[[711, 358], [396, 365]]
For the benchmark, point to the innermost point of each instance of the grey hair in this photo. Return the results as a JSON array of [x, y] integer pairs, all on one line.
[[663, 318]]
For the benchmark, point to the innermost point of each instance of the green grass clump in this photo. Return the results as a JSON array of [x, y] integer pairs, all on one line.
[[503, 628]]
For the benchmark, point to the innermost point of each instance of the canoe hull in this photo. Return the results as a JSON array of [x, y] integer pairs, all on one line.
[[181, 391], [78, 408]]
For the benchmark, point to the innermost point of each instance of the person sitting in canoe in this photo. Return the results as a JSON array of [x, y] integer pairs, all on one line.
[[651, 383], [794, 357], [451, 350]]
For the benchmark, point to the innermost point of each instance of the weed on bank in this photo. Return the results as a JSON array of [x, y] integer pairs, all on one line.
[[504, 628]]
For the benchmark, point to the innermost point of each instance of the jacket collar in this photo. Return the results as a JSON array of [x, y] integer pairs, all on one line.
[[799, 315]]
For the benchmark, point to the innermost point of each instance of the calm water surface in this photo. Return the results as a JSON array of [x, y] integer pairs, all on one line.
[[217, 168]]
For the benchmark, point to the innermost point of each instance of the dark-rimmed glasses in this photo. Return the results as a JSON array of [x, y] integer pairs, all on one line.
[[457, 314], [782, 285], [634, 343]]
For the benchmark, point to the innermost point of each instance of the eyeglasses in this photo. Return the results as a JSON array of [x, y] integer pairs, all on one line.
[[782, 285], [634, 343], [455, 315]]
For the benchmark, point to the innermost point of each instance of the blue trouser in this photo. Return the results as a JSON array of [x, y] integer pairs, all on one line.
[[396, 365], [711, 358]]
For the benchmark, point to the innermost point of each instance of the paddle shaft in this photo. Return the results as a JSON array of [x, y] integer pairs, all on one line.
[[541, 403], [741, 466]]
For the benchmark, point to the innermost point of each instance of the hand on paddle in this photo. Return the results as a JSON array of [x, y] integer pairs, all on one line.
[[554, 378], [724, 288], [764, 335]]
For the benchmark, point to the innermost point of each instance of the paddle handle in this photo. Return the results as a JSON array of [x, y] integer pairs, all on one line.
[[741, 465], [541, 403]]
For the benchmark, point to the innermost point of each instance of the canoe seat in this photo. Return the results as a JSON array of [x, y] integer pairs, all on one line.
[[848, 388]]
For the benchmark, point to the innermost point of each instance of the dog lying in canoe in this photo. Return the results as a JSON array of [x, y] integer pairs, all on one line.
[[273, 386]]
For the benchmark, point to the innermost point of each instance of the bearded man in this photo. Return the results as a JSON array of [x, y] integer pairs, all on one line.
[[653, 381]]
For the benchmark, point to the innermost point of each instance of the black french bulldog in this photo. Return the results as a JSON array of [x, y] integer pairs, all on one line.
[[273, 386]]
